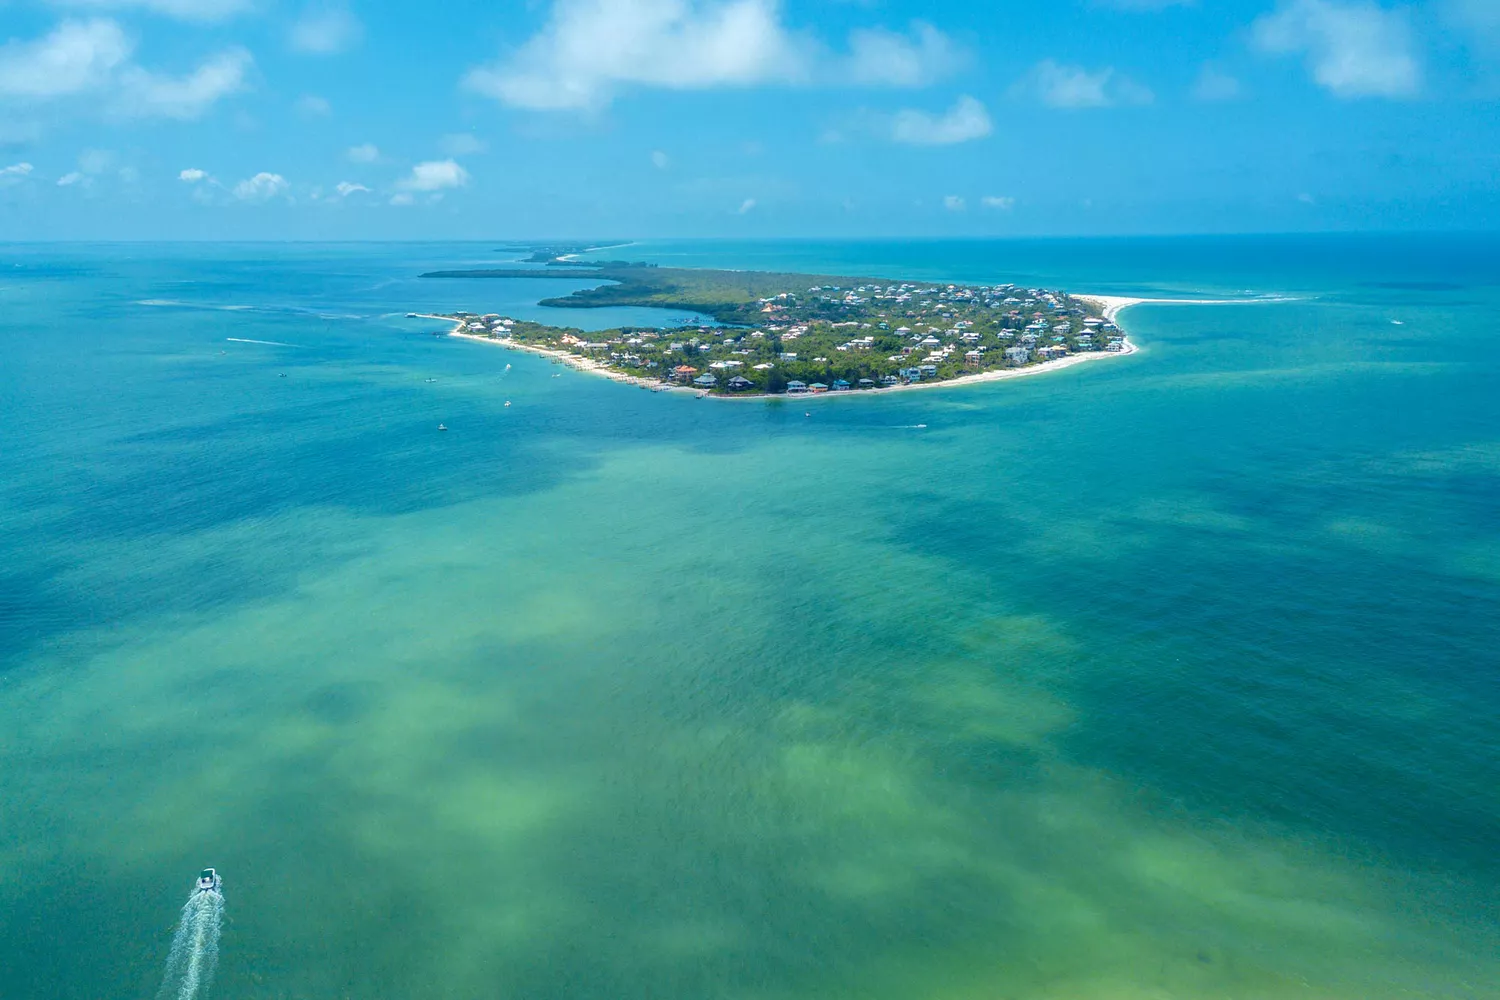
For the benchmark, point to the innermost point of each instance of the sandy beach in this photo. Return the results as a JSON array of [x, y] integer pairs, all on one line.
[[1110, 305]]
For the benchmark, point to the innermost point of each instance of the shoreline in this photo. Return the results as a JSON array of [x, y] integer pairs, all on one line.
[[1111, 305]]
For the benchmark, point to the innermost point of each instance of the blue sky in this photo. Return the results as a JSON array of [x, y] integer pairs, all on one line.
[[126, 119]]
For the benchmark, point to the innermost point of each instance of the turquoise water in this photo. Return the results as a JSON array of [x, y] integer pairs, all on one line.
[[1173, 675]]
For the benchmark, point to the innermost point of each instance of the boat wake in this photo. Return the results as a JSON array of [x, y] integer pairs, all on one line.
[[268, 343], [195, 947]]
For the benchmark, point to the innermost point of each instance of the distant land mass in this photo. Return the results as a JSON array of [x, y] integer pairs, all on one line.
[[779, 333]]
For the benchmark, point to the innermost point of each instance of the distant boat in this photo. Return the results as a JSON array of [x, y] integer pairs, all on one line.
[[281, 374], [209, 881], [507, 402], [442, 427], [431, 380], [411, 315]]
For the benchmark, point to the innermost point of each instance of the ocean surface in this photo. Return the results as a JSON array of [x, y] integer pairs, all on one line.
[[1172, 675]]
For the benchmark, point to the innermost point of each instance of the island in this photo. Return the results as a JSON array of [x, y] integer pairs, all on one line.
[[774, 334]]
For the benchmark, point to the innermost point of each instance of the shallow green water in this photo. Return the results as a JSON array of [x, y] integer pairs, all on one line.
[[1167, 676]]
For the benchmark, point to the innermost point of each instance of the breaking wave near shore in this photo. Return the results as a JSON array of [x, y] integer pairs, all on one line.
[[195, 947]]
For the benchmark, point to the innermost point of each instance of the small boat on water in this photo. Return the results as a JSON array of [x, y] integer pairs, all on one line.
[[411, 315], [209, 881], [442, 427], [507, 402]]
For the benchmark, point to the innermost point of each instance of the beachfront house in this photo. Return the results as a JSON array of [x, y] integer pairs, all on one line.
[[740, 383], [795, 387], [706, 381]]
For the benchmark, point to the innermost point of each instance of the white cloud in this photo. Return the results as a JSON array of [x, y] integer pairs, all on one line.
[[183, 10], [192, 175], [1307, 199], [746, 206], [402, 199], [461, 144], [1001, 203], [954, 203], [434, 175], [326, 31], [346, 188], [77, 56], [877, 56], [91, 164], [16, 170], [313, 106], [592, 48], [966, 120], [262, 187], [660, 160], [1353, 49], [144, 94], [1059, 86], [1214, 84], [80, 57], [365, 152]]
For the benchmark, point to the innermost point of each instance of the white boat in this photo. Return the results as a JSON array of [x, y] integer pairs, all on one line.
[[442, 427], [209, 881]]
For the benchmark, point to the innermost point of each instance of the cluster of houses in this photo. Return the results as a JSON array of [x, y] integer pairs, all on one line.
[[488, 325], [947, 329]]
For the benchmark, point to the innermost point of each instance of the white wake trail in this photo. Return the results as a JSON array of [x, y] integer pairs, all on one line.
[[195, 947], [268, 343]]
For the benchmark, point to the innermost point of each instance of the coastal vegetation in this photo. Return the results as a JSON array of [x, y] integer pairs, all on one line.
[[778, 333]]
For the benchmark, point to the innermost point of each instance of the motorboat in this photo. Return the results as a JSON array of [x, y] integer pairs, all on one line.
[[209, 881], [442, 427]]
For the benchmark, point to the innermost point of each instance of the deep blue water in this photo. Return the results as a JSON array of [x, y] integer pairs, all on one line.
[[1170, 675]]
